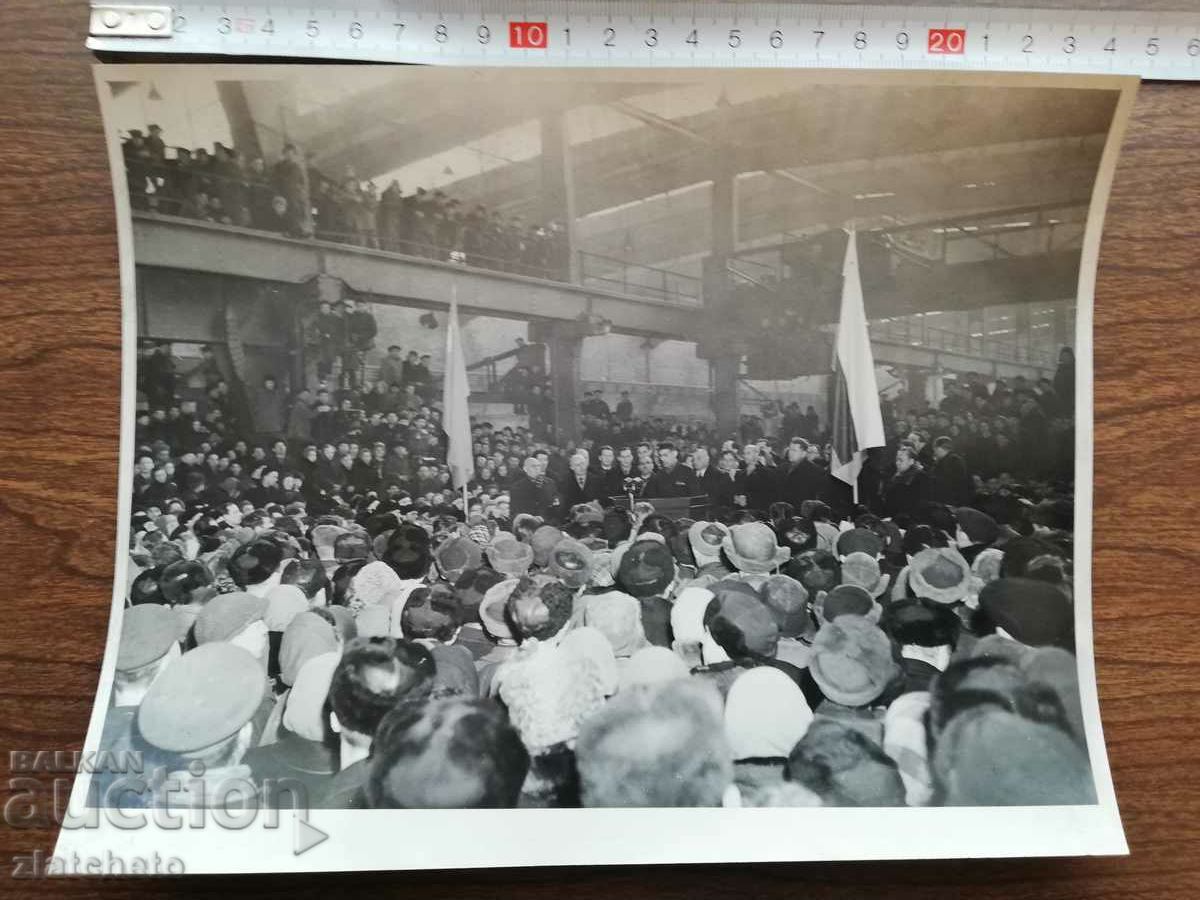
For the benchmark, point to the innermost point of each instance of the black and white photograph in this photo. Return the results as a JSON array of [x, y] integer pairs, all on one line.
[[702, 453]]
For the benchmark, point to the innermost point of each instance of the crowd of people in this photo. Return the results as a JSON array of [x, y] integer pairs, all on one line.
[[292, 197], [313, 607]]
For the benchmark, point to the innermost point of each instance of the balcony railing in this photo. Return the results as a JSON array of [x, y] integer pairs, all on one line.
[[611, 274]]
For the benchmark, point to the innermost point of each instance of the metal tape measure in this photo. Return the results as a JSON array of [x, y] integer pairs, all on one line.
[[1153, 45]]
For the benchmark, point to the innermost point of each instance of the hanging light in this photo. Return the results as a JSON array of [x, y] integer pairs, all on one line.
[[154, 96]]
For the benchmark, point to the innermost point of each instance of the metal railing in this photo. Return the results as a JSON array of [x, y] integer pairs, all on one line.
[[623, 277], [914, 331]]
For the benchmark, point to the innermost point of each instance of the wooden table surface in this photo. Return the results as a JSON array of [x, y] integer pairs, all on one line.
[[59, 388]]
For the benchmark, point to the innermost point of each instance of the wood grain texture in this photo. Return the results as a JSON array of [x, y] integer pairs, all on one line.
[[59, 388]]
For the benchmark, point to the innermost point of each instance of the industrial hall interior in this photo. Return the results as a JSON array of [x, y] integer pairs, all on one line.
[[736, 406]]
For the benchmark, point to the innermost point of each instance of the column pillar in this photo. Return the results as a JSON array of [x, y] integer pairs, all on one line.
[[726, 369], [563, 341], [724, 226], [564, 378], [557, 195]]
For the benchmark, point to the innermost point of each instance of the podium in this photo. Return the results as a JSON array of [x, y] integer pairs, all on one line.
[[695, 508]]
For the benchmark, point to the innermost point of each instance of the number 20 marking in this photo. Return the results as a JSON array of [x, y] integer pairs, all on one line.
[[951, 41]]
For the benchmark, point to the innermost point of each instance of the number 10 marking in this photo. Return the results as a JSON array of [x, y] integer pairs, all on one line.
[[947, 40], [527, 35]]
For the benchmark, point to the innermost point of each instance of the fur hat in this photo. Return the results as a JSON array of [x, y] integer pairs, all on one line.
[[844, 767], [862, 569], [940, 574], [549, 690], [788, 601], [852, 661], [376, 584], [590, 643], [752, 548], [509, 556]]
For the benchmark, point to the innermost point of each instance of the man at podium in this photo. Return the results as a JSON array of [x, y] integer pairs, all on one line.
[[672, 479]]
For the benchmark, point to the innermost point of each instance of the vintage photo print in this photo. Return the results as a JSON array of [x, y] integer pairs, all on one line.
[[602, 466]]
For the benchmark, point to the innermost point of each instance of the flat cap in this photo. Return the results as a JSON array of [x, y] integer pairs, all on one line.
[[202, 698], [147, 633], [227, 614]]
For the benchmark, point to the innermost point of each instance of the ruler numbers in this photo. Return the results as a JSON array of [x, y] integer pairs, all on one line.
[[600, 33]]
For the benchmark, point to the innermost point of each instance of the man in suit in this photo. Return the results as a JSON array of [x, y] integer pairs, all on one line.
[[534, 493], [761, 488], [707, 476], [671, 479], [950, 481], [729, 484], [581, 486], [609, 473], [803, 479]]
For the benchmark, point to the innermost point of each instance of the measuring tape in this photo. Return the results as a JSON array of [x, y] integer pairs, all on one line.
[[1154, 45]]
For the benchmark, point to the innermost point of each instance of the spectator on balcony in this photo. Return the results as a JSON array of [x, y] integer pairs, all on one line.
[[229, 171], [391, 367], [625, 408], [260, 195], [291, 183]]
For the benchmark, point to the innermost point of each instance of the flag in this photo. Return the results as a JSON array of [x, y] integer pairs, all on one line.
[[857, 423], [456, 419]]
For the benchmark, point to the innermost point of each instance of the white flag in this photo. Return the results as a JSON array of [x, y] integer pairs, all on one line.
[[857, 423], [456, 418]]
